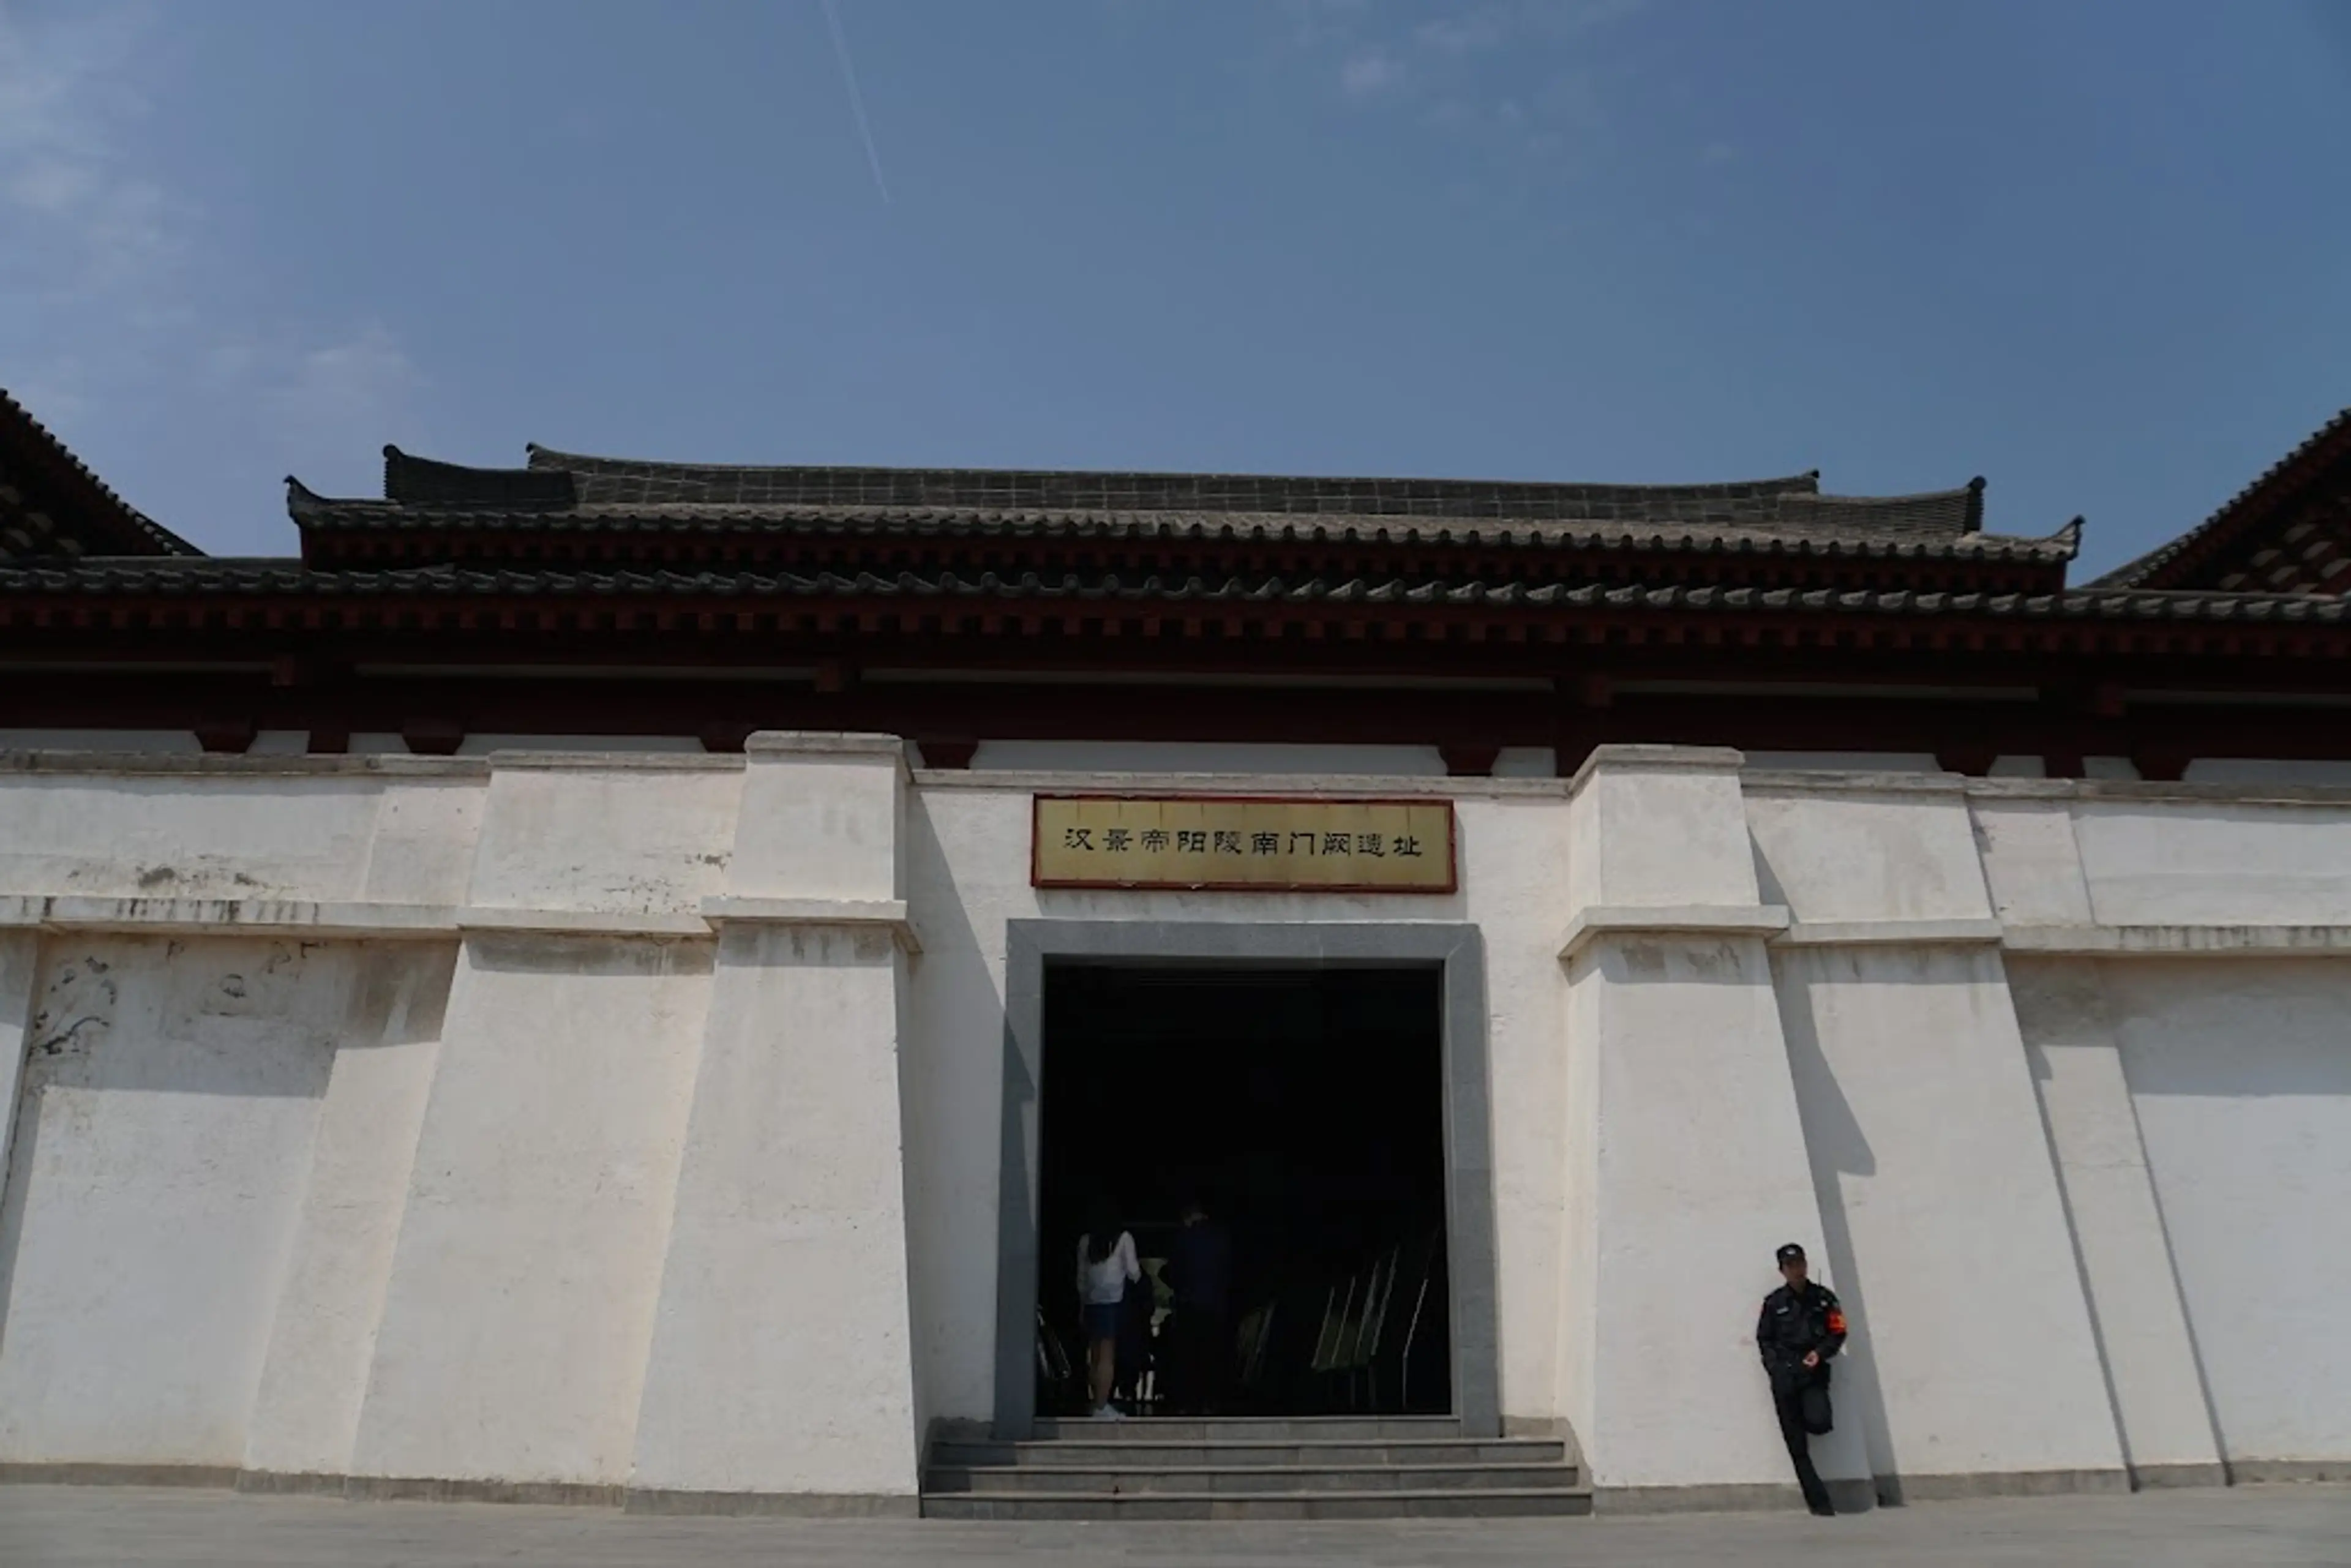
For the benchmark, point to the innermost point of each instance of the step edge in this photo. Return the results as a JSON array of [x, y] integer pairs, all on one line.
[[1383, 1495], [1252, 1444], [1239, 1469]]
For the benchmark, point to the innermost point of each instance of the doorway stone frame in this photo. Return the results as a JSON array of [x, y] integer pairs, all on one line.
[[1457, 950]]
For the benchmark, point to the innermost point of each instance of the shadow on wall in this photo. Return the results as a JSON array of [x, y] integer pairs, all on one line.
[[1837, 1147], [2239, 1072], [954, 1052], [159, 1018], [527, 953], [2248, 1068]]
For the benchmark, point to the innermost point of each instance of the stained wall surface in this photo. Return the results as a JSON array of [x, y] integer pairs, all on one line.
[[483, 1120]]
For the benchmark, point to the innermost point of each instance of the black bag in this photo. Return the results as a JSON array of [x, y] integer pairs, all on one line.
[[1818, 1418]]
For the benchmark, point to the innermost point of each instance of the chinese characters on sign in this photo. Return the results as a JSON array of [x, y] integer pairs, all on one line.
[[1276, 845]]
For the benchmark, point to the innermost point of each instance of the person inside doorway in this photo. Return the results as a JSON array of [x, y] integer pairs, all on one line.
[[1106, 1267], [1200, 1270], [1800, 1329]]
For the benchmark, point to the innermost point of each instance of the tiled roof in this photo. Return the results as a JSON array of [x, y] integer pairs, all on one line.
[[610, 482], [560, 494], [2161, 567], [52, 505], [217, 576], [1904, 527]]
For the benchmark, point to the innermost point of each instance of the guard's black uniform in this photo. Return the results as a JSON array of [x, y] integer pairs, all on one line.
[[1796, 1321]]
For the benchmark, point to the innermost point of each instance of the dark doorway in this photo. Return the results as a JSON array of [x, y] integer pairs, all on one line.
[[1304, 1108]]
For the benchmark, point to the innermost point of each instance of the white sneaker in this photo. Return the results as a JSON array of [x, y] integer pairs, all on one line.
[[1110, 1413]]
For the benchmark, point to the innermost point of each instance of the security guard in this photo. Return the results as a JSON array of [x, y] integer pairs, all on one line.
[[1802, 1328]]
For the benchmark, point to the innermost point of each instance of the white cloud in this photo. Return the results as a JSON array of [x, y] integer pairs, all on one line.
[[122, 310], [80, 221], [1463, 35], [1370, 72], [338, 403], [1515, 76]]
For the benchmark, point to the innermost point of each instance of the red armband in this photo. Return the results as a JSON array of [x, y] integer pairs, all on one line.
[[1836, 1320]]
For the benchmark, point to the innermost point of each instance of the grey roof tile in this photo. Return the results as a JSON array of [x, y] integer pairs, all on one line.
[[223, 576], [81, 516], [564, 493], [2154, 568]]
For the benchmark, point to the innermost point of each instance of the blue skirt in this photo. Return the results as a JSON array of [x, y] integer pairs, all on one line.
[[1101, 1319]]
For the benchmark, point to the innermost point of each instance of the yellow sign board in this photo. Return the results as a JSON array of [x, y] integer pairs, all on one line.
[[1270, 844]]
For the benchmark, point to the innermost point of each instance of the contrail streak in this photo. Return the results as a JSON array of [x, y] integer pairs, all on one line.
[[856, 99]]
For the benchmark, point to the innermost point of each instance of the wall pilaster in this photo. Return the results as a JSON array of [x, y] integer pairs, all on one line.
[[782, 1361], [1687, 1159]]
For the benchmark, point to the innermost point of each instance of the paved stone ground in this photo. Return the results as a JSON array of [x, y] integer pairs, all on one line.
[[2263, 1526]]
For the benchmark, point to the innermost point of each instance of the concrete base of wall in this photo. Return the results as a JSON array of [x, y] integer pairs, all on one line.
[[1896, 1491], [421, 1488], [84, 1475], [426, 1488], [1893, 1492], [1766, 1497], [2153, 1477], [2259, 1472], [777, 1505]]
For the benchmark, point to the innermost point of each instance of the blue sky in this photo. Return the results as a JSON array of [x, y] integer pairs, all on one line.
[[2094, 251]]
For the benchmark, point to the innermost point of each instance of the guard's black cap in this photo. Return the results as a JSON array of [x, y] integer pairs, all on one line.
[[1791, 1253]]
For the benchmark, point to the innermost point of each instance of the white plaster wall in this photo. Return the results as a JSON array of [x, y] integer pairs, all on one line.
[[969, 875], [162, 1143], [1699, 1167], [19, 967], [421, 851], [1855, 855], [174, 836], [1973, 1349], [2032, 865], [1206, 756], [312, 829], [2142, 1327], [307, 1225], [322, 1328], [1576, 1371], [821, 817], [781, 1359], [2241, 1074], [519, 1311], [2187, 862], [1699, 1174], [650, 835], [1660, 828]]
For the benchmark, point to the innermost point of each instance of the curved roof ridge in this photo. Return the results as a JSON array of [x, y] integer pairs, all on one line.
[[1864, 530], [543, 457], [2274, 485], [94, 499], [624, 480]]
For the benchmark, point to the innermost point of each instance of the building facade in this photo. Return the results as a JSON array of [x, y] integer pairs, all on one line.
[[554, 993]]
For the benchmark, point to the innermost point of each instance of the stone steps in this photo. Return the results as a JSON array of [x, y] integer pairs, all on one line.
[[1246, 1429], [1545, 1504], [1327, 1467], [1248, 1480], [1072, 1453]]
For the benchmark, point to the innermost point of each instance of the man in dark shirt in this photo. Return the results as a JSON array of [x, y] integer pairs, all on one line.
[[1200, 1270], [1802, 1328]]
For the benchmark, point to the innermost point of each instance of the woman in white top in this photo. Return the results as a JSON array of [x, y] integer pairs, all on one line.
[[1106, 1266]]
